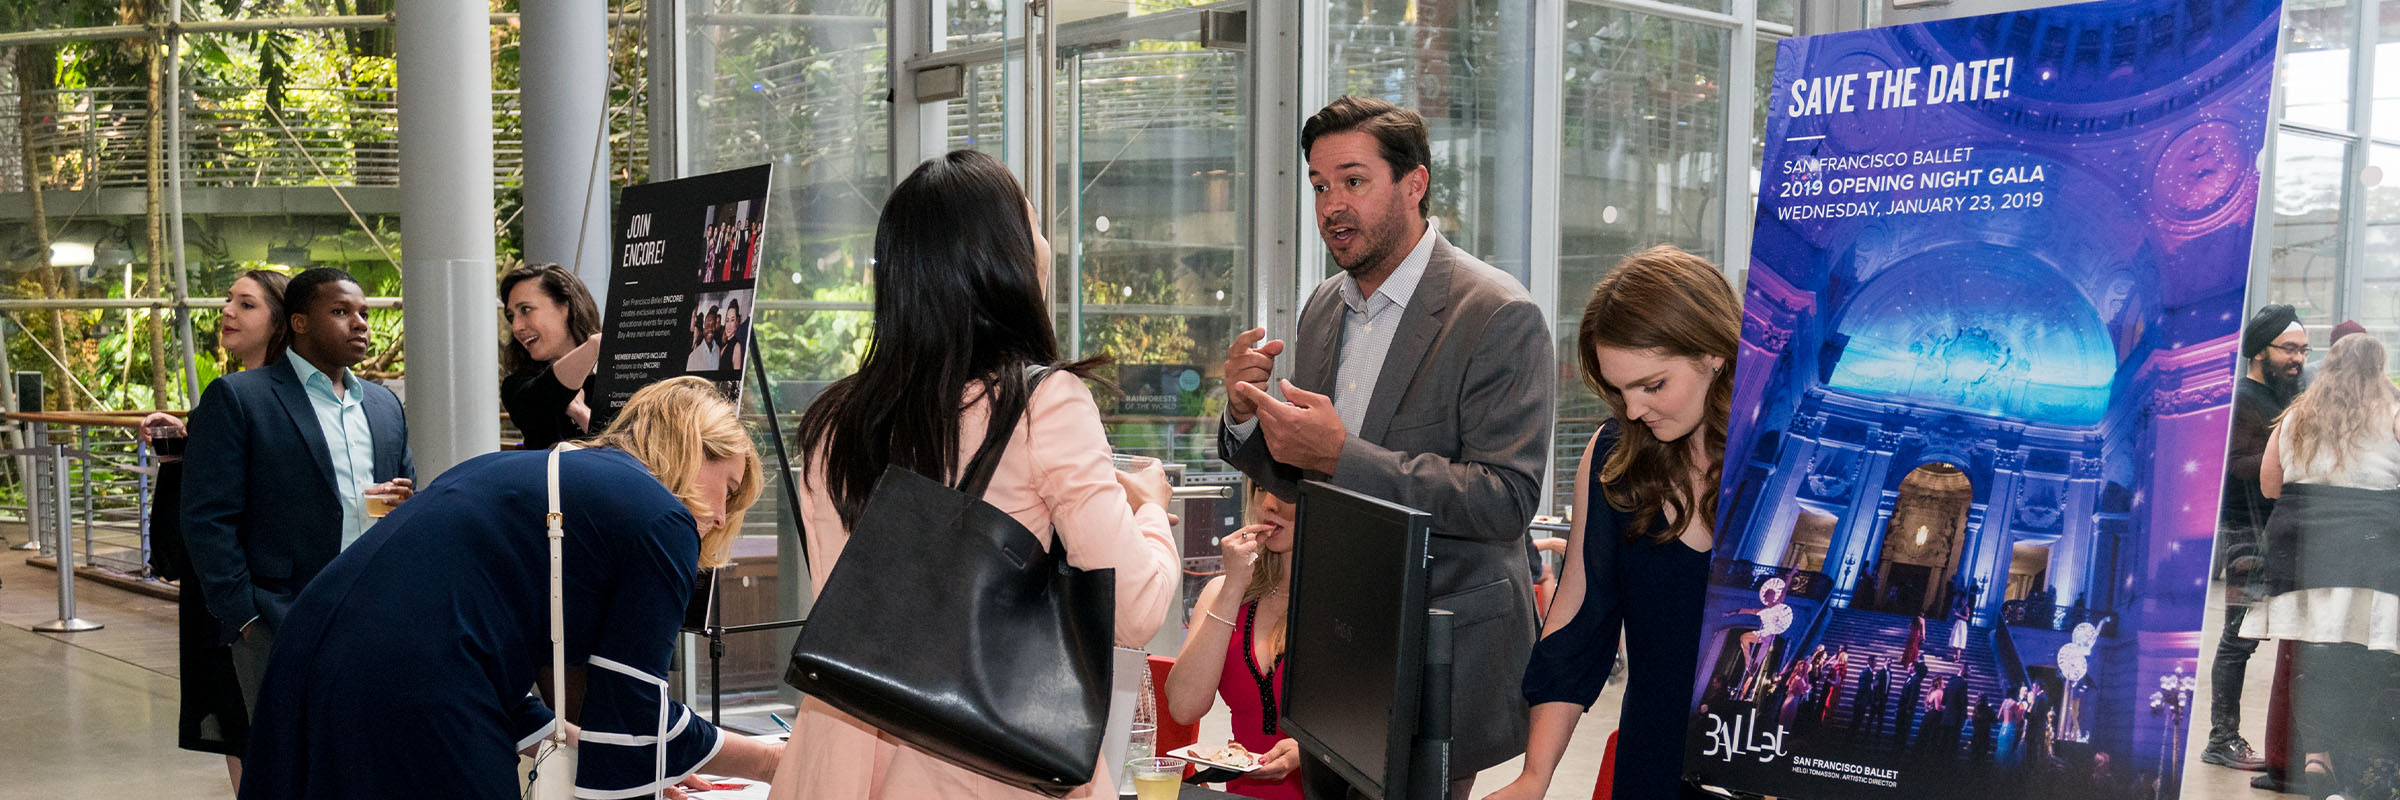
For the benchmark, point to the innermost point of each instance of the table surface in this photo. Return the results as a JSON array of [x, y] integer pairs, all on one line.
[[1196, 792]]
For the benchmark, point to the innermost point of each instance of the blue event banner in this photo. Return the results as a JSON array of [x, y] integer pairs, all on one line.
[[1988, 359]]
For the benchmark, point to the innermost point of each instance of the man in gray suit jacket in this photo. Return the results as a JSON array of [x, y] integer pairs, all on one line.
[[1424, 377], [278, 463]]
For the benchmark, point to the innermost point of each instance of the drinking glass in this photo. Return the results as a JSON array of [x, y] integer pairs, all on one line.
[[1156, 778]]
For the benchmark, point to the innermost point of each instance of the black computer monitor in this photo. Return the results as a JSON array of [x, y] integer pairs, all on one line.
[[1355, 641]]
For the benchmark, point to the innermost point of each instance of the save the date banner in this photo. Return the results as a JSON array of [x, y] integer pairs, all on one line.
[[1988, 358]]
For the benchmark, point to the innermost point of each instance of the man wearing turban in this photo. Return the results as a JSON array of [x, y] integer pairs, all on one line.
[[2274, 347]]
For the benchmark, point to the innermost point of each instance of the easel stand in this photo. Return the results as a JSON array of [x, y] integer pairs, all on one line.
[[715, 628]]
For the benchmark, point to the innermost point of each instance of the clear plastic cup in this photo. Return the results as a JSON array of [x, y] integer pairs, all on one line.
[[380, 499], [1156, 778], [166, 441]]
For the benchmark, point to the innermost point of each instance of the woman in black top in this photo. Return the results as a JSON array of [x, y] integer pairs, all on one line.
[[253, 331], [554, 340], [1657, 343]]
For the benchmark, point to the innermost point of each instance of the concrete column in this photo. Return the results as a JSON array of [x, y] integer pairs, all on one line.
[[1865, 519], [1994, 545], [565, 102], [2071, 557], [447, 275], [1792, 467]]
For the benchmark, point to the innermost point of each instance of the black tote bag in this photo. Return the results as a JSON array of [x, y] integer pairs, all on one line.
[[947, 625]]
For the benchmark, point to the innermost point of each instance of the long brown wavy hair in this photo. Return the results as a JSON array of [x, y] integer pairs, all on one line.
[[2350, 402], [1666, 300], [271, 284], [563, 288]]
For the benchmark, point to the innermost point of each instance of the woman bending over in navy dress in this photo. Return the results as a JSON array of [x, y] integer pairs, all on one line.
[[404, 669], [1657, 343]]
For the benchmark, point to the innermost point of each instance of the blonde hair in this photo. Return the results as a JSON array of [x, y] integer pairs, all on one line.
[[2350, 401], [1266, 574], [673, 427]]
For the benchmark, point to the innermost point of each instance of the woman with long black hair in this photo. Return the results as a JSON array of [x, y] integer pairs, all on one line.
[[960, 321]]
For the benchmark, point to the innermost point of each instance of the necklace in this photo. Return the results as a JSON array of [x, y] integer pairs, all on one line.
[[1266, 682]]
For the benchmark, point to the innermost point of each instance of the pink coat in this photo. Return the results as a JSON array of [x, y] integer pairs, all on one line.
[[1055, 472]]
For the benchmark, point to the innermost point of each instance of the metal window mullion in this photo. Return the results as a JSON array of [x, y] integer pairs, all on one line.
[[1741, 90], [917, 130], [1043, 73], [1680, 13], [669, 126], [1278, 102], [1013, 66], [1167, 24], [1315, 90], [2352, 222], [1547, 184], [174, 210], [1074, 213]]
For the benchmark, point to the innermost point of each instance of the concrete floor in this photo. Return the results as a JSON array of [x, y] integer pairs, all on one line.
[[93, 714]]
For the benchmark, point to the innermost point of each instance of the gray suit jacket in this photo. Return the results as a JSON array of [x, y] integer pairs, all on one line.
[[1459, 426]]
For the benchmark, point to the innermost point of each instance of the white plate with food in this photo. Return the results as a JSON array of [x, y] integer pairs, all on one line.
[[1232, 756]]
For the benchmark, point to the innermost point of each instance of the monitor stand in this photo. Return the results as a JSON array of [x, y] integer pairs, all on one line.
[[1429, 746]]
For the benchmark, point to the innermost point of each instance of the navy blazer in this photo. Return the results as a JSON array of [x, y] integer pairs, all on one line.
[[260, 515]]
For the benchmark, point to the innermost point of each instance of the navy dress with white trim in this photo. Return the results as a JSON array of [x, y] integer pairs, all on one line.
[[404, 668]]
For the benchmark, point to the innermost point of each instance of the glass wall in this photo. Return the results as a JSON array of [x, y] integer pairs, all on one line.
[[1467, 68], [1549, 165], [1645, 161], [1153, 144], [2329, 235], [801, 86]]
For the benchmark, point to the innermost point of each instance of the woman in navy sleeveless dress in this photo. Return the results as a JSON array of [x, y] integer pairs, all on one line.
[[1657, 342]]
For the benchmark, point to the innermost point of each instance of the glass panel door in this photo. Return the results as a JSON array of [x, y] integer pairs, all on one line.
[[1152, 233]]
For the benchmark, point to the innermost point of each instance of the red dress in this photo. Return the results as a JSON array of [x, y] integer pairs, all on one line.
[[1242, 685]]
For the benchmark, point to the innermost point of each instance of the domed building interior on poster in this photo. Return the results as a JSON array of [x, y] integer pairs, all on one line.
[[1409, 399]]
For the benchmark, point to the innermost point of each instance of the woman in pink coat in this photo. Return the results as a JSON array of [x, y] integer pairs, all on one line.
[[959, 318]]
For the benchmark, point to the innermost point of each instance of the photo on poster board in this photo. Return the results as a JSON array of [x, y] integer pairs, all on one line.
[[682, 296], [1989, 340]]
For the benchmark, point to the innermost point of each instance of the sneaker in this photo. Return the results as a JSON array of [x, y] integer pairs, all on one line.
[[2234, 754]]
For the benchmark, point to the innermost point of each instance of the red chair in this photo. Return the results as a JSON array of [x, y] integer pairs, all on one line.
[[1608, 770], [1172, 735]]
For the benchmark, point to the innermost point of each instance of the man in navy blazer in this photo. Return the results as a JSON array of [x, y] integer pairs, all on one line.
[[278, 463]]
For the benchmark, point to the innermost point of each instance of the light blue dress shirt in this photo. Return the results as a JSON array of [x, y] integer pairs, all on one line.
[[349, 445], [1369, 323]]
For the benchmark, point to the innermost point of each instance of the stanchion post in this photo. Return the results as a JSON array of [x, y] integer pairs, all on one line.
[[83, 444], [37, 520], [35, 495], [64, 521]]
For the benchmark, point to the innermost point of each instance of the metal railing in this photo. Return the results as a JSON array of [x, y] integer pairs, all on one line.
[[97, 138], [109, 483]]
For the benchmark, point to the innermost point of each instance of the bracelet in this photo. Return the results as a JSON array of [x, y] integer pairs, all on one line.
[[1213, 615]]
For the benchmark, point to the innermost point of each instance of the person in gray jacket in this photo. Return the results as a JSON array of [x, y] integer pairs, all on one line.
[[1422, 376]]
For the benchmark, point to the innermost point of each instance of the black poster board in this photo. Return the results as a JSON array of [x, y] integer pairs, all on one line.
[[682, 285]]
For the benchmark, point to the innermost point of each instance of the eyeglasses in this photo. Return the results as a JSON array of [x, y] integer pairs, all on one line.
[[2292, 349]]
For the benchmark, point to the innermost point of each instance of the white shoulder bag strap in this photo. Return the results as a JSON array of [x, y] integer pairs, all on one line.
[[558, 592], [558, 781]]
